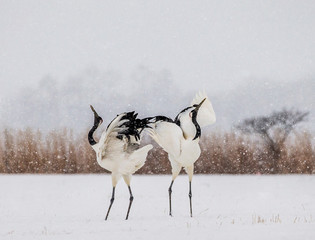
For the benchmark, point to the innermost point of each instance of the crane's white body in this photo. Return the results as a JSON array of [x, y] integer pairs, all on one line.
[[171, 138], [122, 157]]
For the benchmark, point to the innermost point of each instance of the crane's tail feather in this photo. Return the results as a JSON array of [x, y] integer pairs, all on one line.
[[153, 135], [137, 160], [206, 114]]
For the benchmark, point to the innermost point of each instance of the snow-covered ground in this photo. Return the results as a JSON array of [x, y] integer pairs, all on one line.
[[225, 207]]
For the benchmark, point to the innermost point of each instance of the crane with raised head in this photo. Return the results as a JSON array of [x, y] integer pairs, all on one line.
[[119, 150], [180, 137]]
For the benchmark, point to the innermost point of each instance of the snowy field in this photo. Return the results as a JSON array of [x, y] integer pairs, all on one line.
[[225, 207]]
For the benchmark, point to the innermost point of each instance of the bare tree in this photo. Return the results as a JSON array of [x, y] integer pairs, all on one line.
[[274, 130]]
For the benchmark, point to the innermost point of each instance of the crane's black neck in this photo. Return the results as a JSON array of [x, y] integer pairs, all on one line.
[[90, 135], [97, 121], [177, 121], [194, 120]]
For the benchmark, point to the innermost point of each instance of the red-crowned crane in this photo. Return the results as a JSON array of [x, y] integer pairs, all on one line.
[[118, 149], [180, 138]]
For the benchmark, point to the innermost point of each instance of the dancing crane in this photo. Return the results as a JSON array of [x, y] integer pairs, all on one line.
[[180, 137], [118, 149]]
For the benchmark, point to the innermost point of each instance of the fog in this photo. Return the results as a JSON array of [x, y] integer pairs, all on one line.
[[56, 58]]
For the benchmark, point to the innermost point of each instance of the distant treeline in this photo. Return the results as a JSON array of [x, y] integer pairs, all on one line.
[[29, 151]]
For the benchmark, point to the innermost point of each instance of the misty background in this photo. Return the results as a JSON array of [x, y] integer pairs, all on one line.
[[56, 58]]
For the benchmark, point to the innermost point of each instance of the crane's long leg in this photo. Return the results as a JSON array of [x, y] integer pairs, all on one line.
[[111, 203], [170, 196], [190, 195], [130, 202], [190, 172], [115, 179], [127, 179], [176, 167]]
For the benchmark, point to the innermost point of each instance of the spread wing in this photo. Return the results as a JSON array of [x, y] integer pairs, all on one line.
[[206, 114], [122, 134], [168, 135], [111, 133]]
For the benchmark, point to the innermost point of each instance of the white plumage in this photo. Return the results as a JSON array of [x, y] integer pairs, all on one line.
[[181, 151], [120, 156], [206, 115]]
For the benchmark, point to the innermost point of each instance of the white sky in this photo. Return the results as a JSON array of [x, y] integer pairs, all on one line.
[[205, 44]]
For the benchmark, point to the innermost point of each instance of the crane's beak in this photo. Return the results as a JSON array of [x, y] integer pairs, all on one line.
[[95, 113], [97, 119], [199, 105]]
